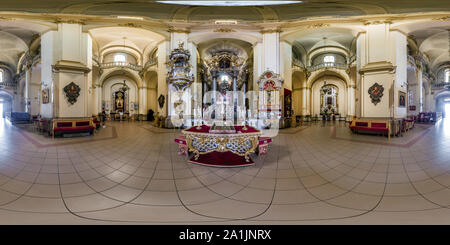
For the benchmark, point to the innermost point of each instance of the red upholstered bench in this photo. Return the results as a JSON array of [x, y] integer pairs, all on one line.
[[62, 126], [182, 145], [263, 145], [371, 126]]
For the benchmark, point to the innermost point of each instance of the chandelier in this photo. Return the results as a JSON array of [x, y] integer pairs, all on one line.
[[124, 87]]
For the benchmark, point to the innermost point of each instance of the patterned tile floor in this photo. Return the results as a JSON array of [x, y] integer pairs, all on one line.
[[320, 174]]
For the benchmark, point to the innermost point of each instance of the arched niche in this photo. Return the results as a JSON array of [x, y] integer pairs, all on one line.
[[110, 88], [340, 87]]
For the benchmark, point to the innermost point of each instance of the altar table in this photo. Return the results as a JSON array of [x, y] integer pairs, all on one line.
[[221, 148]]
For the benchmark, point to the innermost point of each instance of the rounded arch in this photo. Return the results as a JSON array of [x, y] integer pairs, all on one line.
[[6, 94], [112, 86], [120, 71], [439, 100], [208, 36], [123, 49], [151, 80], [7, 101], [342, 95], [315, 75], [328, 49], [241, 48]]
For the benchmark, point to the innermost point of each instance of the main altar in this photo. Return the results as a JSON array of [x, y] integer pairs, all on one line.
[[227, 133]]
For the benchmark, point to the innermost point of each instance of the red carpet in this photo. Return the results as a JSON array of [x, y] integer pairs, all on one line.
[[222, 159]]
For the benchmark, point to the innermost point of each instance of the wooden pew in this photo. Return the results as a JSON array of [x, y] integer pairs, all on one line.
[[73, 126], [377, 126]]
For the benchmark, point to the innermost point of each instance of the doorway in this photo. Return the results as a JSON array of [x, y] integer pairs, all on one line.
[[447, 110], [1, 109]]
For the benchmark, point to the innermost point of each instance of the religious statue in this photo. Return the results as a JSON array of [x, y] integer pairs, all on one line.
[[119, 101]]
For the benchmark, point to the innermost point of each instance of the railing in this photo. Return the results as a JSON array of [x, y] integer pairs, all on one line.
[[36, 58], [11, 85], [411, 60], [120, 64], [327, 65], [430, 77], [440, 85]]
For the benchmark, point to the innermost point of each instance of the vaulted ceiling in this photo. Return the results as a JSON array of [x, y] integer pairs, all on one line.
[[159, 11]]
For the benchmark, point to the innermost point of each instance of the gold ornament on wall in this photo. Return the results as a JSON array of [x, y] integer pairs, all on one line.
[[224, 30]]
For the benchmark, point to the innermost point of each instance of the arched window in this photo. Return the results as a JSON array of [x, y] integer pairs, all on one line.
[[119, 58], [328, 59], [1, 76]]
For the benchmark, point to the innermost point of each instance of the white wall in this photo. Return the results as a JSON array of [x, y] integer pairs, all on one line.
[[399, 59], [47, 60]]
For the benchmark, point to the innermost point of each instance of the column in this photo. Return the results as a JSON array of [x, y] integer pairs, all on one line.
[[286, 64], [351, 101], [65, 59], [271, 49], [163, 52], [382, 56], [142, 104], [196, 87], [28, 92], [214, 87], [418, 92], [98, 99]]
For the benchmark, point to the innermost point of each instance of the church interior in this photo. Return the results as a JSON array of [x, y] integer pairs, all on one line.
[[225, 112]]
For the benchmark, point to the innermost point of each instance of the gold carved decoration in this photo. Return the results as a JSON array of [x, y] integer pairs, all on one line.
[[377, 22], [222, 141], [318, 25], [130, 25], [444, 18], [224, 30], [173, 29], [270, 30]]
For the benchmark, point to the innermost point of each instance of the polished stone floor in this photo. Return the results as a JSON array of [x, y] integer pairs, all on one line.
[[315, 174]]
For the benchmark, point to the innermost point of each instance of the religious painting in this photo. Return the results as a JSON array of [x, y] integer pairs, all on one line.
[[412, 107], [376, 92], [161, 101], [72, 92], [401, 99], [269, 86], [45, 96]]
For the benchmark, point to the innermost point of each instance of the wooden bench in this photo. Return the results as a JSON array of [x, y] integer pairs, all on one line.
[[377, 126], [62, 126]]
